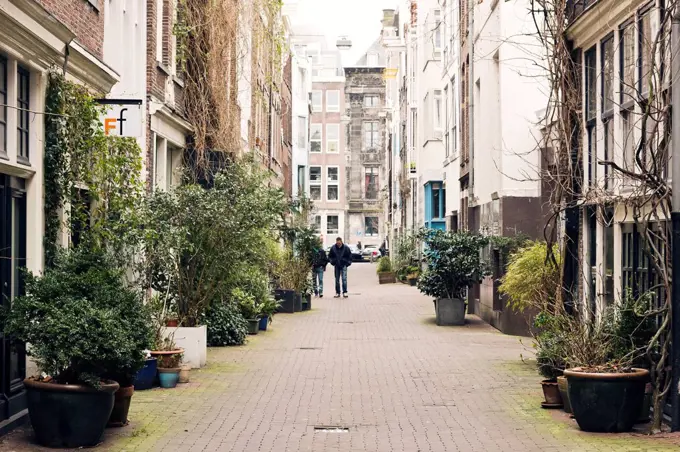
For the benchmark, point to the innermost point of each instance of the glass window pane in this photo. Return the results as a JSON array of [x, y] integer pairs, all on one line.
[[315, 192], [332, 174], [315, 174], [591, 84], [627, 63], [608, 73], [332, 192]]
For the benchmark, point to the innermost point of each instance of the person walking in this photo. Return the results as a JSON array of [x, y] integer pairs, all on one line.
[[340, 257], [319, 263]]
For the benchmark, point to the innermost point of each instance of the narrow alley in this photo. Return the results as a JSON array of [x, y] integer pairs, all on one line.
[[375, 364]]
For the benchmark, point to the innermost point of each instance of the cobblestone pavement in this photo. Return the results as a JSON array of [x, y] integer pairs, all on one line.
[[375, 364]]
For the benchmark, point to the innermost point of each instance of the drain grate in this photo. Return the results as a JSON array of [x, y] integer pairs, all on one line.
[[330, 429], [351, 323], [309, 348]]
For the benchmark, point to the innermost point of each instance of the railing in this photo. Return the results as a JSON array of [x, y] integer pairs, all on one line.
[[576, 7]]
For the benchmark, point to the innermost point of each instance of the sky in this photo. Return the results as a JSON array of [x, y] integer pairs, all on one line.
[[359, 20]]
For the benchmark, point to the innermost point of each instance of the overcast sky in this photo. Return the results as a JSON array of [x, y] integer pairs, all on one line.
[[357, 19]]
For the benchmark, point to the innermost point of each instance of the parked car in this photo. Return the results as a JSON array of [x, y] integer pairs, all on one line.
[[370, 253], [356, 252]]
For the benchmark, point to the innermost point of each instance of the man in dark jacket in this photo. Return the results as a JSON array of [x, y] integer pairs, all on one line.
[[341, 258], [319, 263]]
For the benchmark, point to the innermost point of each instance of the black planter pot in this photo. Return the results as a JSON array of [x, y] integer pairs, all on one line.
[[286, 299], [121, 407], [606, 402], [69, 415], [298, 302]]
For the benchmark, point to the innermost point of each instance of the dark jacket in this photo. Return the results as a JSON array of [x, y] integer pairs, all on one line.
[[320, 260], [340, 256]]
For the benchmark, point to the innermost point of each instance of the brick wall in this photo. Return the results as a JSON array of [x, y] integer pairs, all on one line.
[[83, 19]]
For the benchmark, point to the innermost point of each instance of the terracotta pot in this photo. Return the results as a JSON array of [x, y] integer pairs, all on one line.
[[121, 407], [184, 373], [563, 387], [172, 323], [551, 392], [387, 278]]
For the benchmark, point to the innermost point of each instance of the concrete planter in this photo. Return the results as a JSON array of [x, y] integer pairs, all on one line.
[[450, 311], [194, 341]]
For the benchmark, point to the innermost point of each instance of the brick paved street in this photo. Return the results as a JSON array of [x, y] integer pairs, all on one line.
[[375, 364]]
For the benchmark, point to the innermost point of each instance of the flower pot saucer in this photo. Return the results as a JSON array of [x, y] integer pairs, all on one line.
[[550, 406]]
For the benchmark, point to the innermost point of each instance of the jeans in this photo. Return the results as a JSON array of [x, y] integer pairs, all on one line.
[[317, 280], [340, 271]]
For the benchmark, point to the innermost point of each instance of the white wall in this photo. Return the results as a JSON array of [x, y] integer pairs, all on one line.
[[301, 89]]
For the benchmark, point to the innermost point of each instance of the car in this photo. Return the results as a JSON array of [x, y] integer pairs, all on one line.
[[356, 253], [370, 253]]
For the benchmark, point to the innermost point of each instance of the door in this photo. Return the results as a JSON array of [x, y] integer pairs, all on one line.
[[12, 260]]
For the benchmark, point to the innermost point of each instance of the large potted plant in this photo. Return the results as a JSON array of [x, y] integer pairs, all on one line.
[[267, 308], [79, 318], [550, 350], [249, 309], [169, 359], [385, 273], [453, 265], [226, 325]]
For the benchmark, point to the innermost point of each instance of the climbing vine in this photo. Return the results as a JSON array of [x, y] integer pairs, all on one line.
[[93, 184]]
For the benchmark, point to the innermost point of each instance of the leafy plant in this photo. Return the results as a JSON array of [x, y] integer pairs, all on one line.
[[384, 265], [268, 307], [453, 263], [225, 324], [82, 321], [246, 304], [531, 280], [550, 346]]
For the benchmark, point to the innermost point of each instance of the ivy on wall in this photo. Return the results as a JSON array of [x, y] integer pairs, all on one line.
[[93, 184]]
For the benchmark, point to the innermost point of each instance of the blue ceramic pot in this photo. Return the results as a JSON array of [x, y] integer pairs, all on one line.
[[264, 321], [168, 378], [146, 375]]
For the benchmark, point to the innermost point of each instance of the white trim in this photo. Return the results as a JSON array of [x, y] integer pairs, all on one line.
[[332, 108], [335, 140], [320, 106]]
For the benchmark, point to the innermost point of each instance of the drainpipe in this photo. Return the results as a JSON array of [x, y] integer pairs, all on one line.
[[675, 220], [471, 108]]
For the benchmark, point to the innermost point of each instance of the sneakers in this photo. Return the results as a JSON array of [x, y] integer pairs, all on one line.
[[345, 295], [320, 295], [337, 295]]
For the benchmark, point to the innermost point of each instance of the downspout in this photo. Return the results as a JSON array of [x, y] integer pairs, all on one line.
[[675, 220]]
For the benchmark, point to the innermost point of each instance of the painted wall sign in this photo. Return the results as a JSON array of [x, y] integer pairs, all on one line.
[[123, 117]]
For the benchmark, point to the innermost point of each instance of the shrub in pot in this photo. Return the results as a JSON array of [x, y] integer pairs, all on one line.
[[385, 273], [549, 344], [226, 325], [267, 308], [169, 359], [453, 265], [249, 309], [83, 323]]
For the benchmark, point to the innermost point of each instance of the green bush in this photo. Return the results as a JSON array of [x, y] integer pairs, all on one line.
[[246, 303], [226, 325], [453, 263], [384, 265], [531, 279], [82, 321]]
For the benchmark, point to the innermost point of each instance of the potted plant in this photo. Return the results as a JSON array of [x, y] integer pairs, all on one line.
[[79, 319], [226, 325], [147, 374], [412, 275], [549, 345], [268, 308], [169, 358], [384, 270], [249, 309], [412, 167], [453, 265]]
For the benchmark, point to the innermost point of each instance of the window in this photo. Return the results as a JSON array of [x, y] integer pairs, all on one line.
[[317, 223], [592, 156], [302, 88], [371, 135], [372, 59], [437, 31], [317, 100], [332, 225], [627, 50], [447, 142], [436, 201], [453, 120], [315, 138], [333, 100], [438, 123], [332, 183], [607, 52], [332, 137], [301, 179], [371, 100], [371, 183], [302, 132], [645, 46], [315, 183], [371, 226], [23, 123], [628, 140], [159, 31], [3, 108], [591, 84], [608, 148]]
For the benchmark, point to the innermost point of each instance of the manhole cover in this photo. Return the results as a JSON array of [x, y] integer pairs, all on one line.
[[309, 348], [330, 429]]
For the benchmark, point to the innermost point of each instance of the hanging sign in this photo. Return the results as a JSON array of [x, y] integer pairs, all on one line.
[[122, 117]]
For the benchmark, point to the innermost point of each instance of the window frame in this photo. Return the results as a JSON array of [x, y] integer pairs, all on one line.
[[317, 108], [329, 107], [316, 183], [627, 98], [374, 133], [332, 231], [332, 183], [4, 63], [376, 226], [333, 140], [645, 11], [375, 100], [607, 110], [302, 132], [372, 171], [23, 115], [313, 140], [438, 34]]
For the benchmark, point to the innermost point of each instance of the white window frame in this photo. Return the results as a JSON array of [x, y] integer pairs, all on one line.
[[438, 36], [332, 107], [302, 132], [437, 113], [375, 144], [314, 140], [316, 183], [317, 108], [375, 100], [335, 140], [332, 183], [334, 231]]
